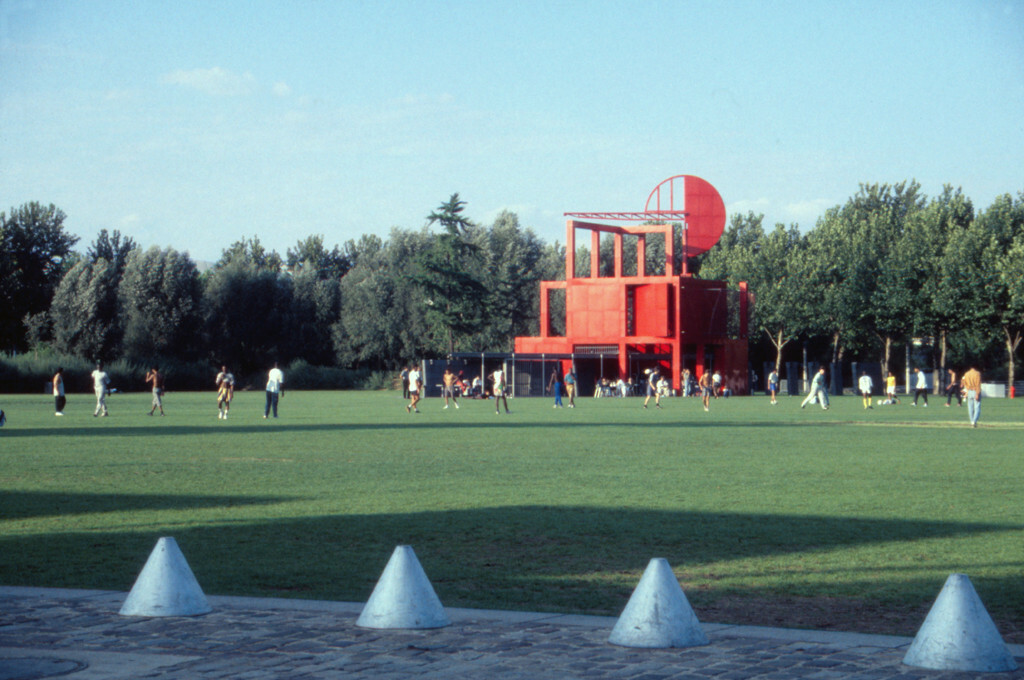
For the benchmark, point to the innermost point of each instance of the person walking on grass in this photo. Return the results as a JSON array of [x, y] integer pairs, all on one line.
[[156, 380], [653, 376], [953, 388], [449, 387], [773, 385], [570, 386], [100, 385], [58, 392], [555, 385], [499, 391], [920, 387], [415, 386], [706, 388], [817, 390], [865, 385], [225, 382], [971, 384], [275, 390]]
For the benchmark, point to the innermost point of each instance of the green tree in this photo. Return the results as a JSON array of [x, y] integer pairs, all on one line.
[[512, 281], [84, 312], [113, 248], [245, 314], [34, 254], [160, 298], [253, 252], [1003, 221], [311, 254], [382, 322], [448, 274], [316, 305]]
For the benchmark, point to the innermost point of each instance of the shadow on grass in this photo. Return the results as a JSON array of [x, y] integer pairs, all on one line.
[[576, 559], [26, 504]]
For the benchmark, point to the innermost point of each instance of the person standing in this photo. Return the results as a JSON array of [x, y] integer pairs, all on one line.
[[570, 386], [706, 387], [58, 392], [971, 384], [499, 391], [653, 376], [225, 382], [405, 382], [156, 380], [100, 385], [953, 388], [415, 384], [817, 390], [920, 387], [865, 385], [890, 389], [275, 390], [449, 387], [716, 383], [555, 385], [773, 385]]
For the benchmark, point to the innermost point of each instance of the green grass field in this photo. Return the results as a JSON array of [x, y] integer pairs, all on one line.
[[849, 519]]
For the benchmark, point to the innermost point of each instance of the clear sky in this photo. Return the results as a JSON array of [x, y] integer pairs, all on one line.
[[192, 124]]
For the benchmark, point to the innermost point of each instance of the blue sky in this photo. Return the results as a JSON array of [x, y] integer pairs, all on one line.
[[194, 124]]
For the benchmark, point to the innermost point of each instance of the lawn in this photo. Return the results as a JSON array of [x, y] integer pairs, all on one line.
[[846, 519]]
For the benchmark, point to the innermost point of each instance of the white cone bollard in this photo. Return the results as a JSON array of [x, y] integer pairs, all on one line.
[[658, 614], [166, 586], [958, 634], [403, 596]]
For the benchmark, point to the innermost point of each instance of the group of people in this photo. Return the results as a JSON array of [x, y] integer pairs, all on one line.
[[154, 378]]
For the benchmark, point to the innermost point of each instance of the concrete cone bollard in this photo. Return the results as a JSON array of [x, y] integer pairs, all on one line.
[[658, 613], [166, 586], [958, 634], [403, 597]]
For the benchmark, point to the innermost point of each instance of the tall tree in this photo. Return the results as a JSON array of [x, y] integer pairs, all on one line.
[[34, 254], [84, 312], [160, 296], [253, 252], [512, 281], [449, 273], [113, 248], [311, 254]]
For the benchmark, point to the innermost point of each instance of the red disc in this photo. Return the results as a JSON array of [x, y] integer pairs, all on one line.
[[705, 211]]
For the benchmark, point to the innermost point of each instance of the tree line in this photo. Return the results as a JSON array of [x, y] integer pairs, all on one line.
[[888, 267]]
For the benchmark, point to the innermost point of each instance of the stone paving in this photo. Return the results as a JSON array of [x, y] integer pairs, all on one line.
[[80, 636]]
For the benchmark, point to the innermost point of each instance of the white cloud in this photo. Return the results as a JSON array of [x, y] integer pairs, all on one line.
[[214, 81], [806, 213], [282, 89]]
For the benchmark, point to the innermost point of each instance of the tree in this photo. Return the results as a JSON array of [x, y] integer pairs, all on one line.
[[251, 251], [245, 315], [1003, 222], [448, 274], [84, 312], [382, 321], [159, 296], [770, 264], [34, 253], [316, 304], [112, 248], [310, 253], [512, 281]]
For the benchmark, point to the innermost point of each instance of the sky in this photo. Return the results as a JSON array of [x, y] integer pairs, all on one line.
[[193, 124]]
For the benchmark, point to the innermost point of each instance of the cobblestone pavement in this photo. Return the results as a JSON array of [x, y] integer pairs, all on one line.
[[80, 636]]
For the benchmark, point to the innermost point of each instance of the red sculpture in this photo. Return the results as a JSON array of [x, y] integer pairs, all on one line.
[[669, 319]]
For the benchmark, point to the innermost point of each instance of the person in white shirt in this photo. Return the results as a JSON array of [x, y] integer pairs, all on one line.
[[275, 390], [58, 392], [920, 387], [865, 385], [100, 385], [499, 390], [415, 387]]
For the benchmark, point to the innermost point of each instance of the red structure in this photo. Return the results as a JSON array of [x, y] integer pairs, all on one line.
[[639, 320]]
